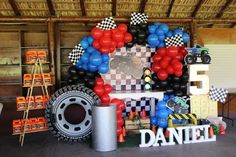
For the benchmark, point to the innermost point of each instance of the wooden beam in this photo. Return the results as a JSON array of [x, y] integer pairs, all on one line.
[[142, 6], [82, 7], [222, 10], [193, 33], [170, 8], [198, 6], [233, 25], [114, 7], [50, 7], [14, 7]]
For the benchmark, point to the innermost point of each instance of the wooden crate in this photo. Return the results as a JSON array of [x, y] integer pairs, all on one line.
[[135, 126]]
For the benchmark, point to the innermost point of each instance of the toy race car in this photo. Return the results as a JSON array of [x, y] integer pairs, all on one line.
[[197, 52]]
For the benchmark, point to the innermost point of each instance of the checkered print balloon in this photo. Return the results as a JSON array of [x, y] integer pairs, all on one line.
[[137, 18], [107, 24], [176, 40], [76, 53], [218, 94]]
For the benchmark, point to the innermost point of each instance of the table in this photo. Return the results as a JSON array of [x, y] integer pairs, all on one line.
[[138, 94], [231, 95]]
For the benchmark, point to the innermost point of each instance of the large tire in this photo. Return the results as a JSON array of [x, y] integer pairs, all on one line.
[[68, 96], [189, 59], [206, 59]]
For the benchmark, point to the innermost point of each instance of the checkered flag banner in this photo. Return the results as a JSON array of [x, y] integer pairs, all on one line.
[[107, 24], [176, 40], [137, 18], [218, 94], [75, 54]]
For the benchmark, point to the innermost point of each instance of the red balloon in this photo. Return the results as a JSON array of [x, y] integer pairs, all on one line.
[[105, 98], [156, 67], [96, 33], [167, 58], [170, 70], [112, 49], [122, 27], [172, 51], [128, 37], [99, 82], [178, 73], [120, 122], [164, 64], [120, 44], [116, 101], [179, 56], [107, 33], [119, 114], [118, 36], [105, 50], [183, 51], [174, 61], [96, 44], [119, 131], [108, 88], [123, 106], [114, 30], [156, 58], [161, 51], [105, 41], [113, 43], [99, 90], [178, 66], [162, 74]]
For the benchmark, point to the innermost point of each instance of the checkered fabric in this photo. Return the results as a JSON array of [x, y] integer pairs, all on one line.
[[107, 24], [137, 18], [176, 40], [138, 104], [120, 81], [75, 54], [218, 94]]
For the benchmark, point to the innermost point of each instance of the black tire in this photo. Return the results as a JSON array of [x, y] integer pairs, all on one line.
[[206, 59], [58, 123], [189, 59]]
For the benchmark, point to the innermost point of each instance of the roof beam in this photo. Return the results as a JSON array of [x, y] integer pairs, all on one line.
[[50, 7], [82, 6], [233, 25], [222, 10], [14, 7], [142, 6], [113, 7], [170, 8], [198, 6]]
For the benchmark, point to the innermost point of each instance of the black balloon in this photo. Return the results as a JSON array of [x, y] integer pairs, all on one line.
[[90, 74], [129, 45], [176, 79], [143, 26], [74, 77], [176, 86], [179, 93], [163, 83], [80, 81], [185, 77], [72, 70], [142, 35], [169, 89], [81, 72], [90, 83]]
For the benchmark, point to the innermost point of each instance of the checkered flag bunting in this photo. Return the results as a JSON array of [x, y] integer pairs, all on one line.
[[75, 54], [137, 18], [107, 24], [218, 94], [176, 40]]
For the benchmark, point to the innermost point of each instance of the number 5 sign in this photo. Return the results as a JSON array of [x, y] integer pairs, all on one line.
[[198, 76]]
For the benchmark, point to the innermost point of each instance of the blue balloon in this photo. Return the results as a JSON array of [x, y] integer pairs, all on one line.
[[153, 120], [95, 59], [161, 105], [157, 24], [90, 49], [79, 64], [90, 40], [163, 123], [186, 37], [96, 52], [85, 66], [166, 97], [159, 32], [161, 44], [169, 33], [84, 44], [85, 38], [107, 63], [85, 58], [153, 40], [170, 111], [92, 67], [152, 29], [161, 37], [105, 57], [103, 68], [178, 31], [163, 113], [164, 27]]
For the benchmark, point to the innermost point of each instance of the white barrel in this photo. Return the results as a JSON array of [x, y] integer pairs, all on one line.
[[104, 136]]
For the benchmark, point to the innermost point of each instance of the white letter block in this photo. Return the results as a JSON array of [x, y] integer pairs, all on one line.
[[202, 78], [143, 138]]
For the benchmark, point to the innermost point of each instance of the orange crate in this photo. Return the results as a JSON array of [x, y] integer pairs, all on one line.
[[28, 79], [42, 55], [27, 124], [34, 123], [30, 102], [42, 124], [38, 101], [17, 126], [37, 79], [21, 103], [31, 56], [47, 78]]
